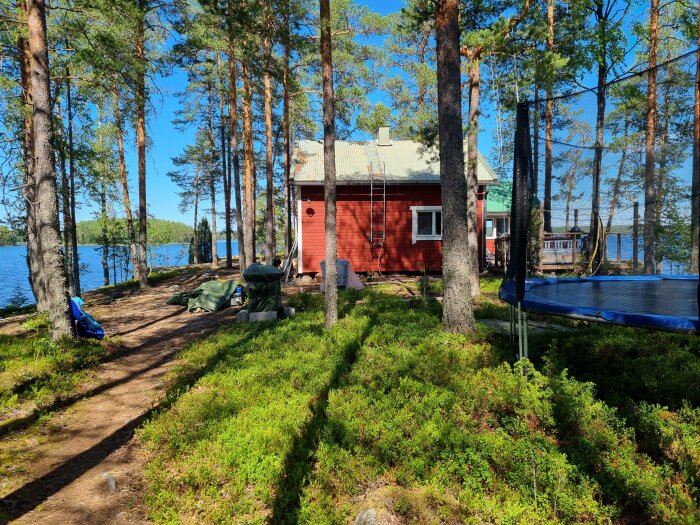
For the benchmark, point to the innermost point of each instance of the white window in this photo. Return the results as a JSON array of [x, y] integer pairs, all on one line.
[[502, 226], [490, 232], [427, 223]]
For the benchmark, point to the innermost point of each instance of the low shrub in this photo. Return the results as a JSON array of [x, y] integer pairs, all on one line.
[[36, 372], [292, 423]]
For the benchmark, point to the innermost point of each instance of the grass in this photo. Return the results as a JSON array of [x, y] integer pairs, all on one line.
[[291, 423], [153, 278], [36, 372], [11, 311]]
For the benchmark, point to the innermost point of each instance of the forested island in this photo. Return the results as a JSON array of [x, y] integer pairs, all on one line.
[[9, 237], [160, 231]]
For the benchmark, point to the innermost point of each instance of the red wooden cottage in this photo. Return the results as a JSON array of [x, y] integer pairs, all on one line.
[[389, 214]]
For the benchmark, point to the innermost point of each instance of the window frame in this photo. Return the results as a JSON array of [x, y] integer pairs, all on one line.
[[492, 233], [506, 223], [414, 223]]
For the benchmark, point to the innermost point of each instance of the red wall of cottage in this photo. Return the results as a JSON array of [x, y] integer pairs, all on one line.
[[491, 245], [353, 222]]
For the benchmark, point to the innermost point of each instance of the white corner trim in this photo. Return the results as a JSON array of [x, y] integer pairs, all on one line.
[[300, 244], [414, 224]]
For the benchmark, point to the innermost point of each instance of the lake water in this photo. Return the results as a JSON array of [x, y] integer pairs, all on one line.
[[13, 266], [626, 252], [14, 271]]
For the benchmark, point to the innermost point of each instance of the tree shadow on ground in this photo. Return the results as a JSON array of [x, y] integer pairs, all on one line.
[[301, 459], [630, 370], [32, 494]]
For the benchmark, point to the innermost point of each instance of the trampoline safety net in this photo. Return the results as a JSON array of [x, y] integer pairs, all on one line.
[[605, 183]]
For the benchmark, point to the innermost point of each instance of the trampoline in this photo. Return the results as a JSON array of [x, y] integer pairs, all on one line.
[[653, 301], [589, 177]]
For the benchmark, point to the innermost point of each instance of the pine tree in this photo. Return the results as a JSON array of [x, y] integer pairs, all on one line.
[[486, 31], [456, 263], [331, 290], [45, 213]]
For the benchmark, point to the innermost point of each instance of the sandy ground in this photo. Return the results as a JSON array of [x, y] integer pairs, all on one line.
[[80, 464]]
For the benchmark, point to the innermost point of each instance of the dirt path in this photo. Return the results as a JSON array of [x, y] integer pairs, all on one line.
[[65, 464]]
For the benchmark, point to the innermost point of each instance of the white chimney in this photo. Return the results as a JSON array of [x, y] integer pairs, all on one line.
[[383, 136]]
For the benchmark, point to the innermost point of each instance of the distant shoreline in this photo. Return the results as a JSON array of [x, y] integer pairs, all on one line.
[[97, 245]]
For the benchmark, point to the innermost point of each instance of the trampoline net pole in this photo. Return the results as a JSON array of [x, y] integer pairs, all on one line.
[[520, 331], [603, 171], [521, 202]]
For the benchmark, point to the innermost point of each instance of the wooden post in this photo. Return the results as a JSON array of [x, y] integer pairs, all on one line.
[[541, 235], [635, 238], [605, 243], [573, 249], [619, 247]]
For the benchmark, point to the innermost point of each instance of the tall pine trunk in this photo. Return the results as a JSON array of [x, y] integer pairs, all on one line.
[[233, 112], [195, 235], [695, 206], [65, 199], [46, 209], [329, 191], [286, 131], [125, 184], [649, 160], [248, 168], [140, 92], [618, 179], [71, 165], [422, 81], [270, 188], [456, 261], [548, 124], [36, 279], [663, 159], [103, 232], [594, 250], [212, 177], [226, 172], [472, 173], [536, 137]]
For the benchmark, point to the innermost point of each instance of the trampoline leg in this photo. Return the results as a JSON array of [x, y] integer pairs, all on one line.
[[520, 332], [512, 327], [526, 354]]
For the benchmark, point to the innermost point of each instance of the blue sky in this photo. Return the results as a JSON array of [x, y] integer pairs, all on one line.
[[168, 142]]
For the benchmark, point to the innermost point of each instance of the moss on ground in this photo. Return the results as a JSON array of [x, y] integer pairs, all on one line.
[[291, 423], [37, 372]]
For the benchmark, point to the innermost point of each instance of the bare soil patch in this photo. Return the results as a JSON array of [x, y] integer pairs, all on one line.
[[62, 466]]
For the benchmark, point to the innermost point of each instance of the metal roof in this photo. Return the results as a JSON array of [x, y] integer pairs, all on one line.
[[499, 198], [404, 161]]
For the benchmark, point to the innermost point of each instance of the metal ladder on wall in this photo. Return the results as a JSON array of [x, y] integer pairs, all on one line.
[[287, 264], [377, 198]]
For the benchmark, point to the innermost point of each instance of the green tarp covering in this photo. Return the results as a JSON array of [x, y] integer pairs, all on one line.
[[210, 296], [213, 295], [264, 286], [182, 298]]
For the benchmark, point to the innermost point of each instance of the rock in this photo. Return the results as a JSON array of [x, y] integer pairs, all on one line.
[[367, 517], [110, 481], [289, 311], [306, 279], [174, 288], [242, 316], [255, 317]]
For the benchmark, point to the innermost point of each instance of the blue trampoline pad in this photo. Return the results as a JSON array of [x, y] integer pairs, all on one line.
[[661, 302]]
